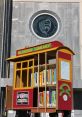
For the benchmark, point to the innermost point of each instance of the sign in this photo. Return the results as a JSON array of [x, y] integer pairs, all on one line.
[[45, 25], [41, 47], [22, 98], [65, 70], [49, 45]]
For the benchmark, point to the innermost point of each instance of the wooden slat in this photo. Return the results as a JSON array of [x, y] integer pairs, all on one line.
[[9, 100], [38, 110]]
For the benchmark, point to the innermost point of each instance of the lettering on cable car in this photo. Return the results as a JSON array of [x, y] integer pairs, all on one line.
[[22, 98]]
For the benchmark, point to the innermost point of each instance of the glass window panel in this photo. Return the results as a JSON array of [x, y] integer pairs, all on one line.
[[24, 65], [18, 65], [30, 78], [65, 70], [30, 63], [17, 83], [24, 78]]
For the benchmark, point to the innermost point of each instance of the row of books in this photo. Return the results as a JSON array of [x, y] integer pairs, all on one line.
[[44, 77], [47, 98]]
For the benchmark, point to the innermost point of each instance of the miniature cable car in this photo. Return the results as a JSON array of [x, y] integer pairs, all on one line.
[[42, 79]]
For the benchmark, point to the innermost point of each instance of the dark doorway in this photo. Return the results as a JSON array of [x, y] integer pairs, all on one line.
[[23, 113]]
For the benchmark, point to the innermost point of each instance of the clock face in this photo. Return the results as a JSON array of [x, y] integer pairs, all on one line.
[[44, 25]]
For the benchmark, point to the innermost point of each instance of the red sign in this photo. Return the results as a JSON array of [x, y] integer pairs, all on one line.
[[64, 95], [22, 99]]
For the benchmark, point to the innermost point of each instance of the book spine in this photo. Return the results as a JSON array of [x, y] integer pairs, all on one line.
[[40, 79], [47, 76], [37, 79], [44, 94], [47, 98], [32, 80], [50, 94], [48, 72], [40, 99], [43, 78], [53, 98], [54, 76], [50, 76]]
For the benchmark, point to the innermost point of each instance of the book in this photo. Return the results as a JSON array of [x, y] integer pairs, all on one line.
[[40, 78], [50, 95], [47, 97], [44, 97], [53, 98], [51, 61], [31, 79], [48, 76], [36, 79], [53, 76], [43, 77], [41, 99]]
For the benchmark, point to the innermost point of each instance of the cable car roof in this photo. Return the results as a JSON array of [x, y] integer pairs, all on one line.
[[31, 51]]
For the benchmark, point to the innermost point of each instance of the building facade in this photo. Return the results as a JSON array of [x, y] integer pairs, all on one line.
[[68, 19], [5, 37]]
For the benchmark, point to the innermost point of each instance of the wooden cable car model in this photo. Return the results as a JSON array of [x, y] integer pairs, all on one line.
[[42, 79]]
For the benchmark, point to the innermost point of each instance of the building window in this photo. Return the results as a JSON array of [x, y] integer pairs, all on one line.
[[45, 24]]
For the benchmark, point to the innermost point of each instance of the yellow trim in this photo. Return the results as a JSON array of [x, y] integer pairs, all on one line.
[[23, 88], [21, 75], [40, 51], [32, 53], [33, 73], [14, 74], [57, 75], [66, 51], [21, 69]]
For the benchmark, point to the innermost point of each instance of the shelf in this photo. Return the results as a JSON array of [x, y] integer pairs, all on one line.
[[48, 85], [23, 88], [39, 76], [48, 65], [38, 110]]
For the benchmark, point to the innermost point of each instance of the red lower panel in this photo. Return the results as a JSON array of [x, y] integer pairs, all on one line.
[[64, 55], [22, 99], [64, 95]]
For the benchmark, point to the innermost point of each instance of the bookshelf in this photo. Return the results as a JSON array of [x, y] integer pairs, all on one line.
[[39, 74], [38, 77]]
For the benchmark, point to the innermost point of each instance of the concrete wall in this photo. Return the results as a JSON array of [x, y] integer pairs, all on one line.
[[69, 33], [80, 21], [70, 13]]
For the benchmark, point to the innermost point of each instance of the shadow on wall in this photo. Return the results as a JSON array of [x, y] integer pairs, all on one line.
[[77, 100]]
